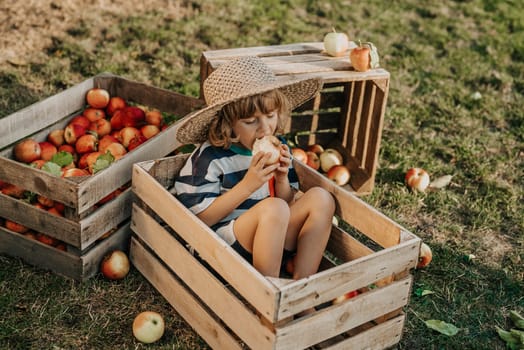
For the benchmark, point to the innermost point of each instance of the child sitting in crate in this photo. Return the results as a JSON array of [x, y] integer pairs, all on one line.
[[231, 190]]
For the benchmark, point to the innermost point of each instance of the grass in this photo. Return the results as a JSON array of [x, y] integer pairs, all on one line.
[[454, 108]]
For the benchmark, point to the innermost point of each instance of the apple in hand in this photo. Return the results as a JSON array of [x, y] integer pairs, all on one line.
[[148, 327], [339, 174], [425, 256], [417, 179], [115, 265], [268, 144], [336, 44], [329, 158]]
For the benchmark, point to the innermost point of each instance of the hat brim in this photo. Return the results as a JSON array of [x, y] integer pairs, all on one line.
[[194, 127]]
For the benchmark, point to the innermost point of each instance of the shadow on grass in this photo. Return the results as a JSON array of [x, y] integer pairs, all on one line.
[[472, 296]]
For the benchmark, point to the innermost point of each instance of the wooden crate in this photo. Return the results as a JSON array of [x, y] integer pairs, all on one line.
[[347, 115], [84, 221], [222, 296]]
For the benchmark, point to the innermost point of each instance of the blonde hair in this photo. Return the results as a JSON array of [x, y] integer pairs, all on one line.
[[220, 132]]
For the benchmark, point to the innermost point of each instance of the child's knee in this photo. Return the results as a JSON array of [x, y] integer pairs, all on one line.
[[276, 207], [322, 198]]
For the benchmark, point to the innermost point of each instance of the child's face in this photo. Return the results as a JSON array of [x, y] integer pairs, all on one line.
[[254, 127]]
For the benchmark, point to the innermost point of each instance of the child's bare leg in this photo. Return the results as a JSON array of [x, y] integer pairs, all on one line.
[[262, 231], [310, 227]]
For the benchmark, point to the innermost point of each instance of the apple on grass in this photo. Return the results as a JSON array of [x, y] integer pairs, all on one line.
[[336, 43], [417, 179], [27, 151], [148, 327], [425, 256], [115, 265]]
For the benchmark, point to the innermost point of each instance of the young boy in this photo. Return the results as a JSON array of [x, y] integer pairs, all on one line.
[[249, 203]]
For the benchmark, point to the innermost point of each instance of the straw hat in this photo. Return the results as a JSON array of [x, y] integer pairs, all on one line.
[[237, 79]]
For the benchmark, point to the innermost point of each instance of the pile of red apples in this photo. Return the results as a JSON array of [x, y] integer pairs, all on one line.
[[329, 161], [107, 126]]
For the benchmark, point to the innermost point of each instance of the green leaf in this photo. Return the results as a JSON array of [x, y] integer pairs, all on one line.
[[420, 292], [442, 327], [517, 319], [52, 168], [373, 54], [62, 158], [103, 161]]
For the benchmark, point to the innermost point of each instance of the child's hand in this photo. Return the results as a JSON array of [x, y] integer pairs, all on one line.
[[284, 163], [258, 174]]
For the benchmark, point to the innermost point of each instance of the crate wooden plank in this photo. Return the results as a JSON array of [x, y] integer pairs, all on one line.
[[80, 234], [353, 312], [185, 304], [345, 247], [327, 285], [202, 282], [244, 278], [379, 337], [352, 209], [61, 262]]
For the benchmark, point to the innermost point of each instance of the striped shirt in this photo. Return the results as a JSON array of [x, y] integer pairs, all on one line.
[[211, 171]]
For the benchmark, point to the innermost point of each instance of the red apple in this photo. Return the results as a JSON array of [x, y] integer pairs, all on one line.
[[346, 296], [316, 148], [60, 207], [417, 179], [46, 239], [364, 57], [154, 117], [94, 114], [268, 144], [148, 327], [75, 172], [116, 120], [38, 164], [339, 174], [27, 150], [48, 150], [91, 160], [133, 116], [97, 97], [105, 141], [45, 201], [313, 160], [15, 226], [135, 142], [13, 191], [81, 120], [86, 143], [54, 210], [116, 149], [299, 154], [101, 126], [115, 103], [72, 132], [329, 158], [425, 256], [115, 265], [149, 130], [127, 134], [56, 137]]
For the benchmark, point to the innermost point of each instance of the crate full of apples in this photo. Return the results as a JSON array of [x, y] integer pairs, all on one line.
[[65, 169]]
